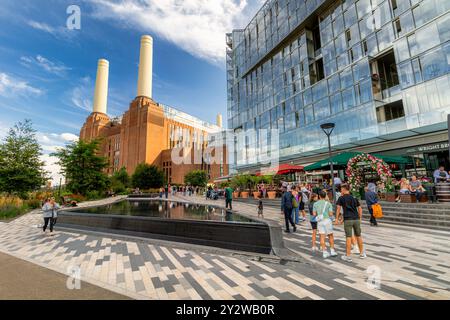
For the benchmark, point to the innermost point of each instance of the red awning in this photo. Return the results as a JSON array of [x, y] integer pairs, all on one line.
[[280, 170]]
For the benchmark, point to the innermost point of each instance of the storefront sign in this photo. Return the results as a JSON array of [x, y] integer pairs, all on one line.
[[429, 148]]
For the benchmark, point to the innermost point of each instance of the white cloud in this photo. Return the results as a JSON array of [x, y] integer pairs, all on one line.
[[54, 67], [196, 26], [53, 169], [51, 142], [82, 94], [41, 26], [10, 85], [60, 32]]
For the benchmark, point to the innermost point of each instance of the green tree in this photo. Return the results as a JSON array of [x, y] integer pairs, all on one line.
[[21, 168], [196, 178], [147, 177], [83, 167], [120, 180]]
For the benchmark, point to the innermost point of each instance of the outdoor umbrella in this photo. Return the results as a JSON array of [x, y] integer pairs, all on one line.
[[341, 160]]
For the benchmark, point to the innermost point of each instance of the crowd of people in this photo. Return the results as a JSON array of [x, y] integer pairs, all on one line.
[[323, 216], [174, 190]]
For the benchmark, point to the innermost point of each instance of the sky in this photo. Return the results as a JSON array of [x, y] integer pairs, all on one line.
[[47, 71]]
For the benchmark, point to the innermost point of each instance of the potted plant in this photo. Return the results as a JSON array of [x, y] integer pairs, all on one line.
[[390, 191], [255, 180], [235, 185]]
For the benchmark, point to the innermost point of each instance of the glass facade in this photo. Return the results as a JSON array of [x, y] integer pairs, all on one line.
[[376, 68]]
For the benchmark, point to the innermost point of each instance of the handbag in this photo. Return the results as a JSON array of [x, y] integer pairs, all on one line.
[[320, 217], [377, 211], [295, 204]]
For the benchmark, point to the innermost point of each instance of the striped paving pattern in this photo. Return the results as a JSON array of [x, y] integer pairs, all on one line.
[[413, 264]]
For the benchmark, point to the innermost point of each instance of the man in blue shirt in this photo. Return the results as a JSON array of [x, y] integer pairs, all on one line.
[[440, 175], [286, 208]]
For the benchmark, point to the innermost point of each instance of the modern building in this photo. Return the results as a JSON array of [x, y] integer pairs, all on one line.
[[150, 132], [378, 69]]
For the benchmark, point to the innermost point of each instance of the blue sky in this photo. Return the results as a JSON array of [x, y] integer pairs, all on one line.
[[47, 72]]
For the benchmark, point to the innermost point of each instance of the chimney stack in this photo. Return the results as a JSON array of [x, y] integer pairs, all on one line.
[[101, 87], [145, 80], [219, 120]]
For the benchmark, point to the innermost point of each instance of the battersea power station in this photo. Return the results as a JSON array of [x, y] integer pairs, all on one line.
[[152, 133]]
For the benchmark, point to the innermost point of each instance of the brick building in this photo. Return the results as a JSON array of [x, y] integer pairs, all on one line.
[[153, 133]]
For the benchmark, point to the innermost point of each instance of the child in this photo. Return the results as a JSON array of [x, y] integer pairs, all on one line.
[[260, 209], [313, 220], [323, 211]]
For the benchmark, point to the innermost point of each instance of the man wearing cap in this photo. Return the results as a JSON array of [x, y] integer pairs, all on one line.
[[286, 207]]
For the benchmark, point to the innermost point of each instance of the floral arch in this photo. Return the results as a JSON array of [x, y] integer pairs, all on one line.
[[355, 170]]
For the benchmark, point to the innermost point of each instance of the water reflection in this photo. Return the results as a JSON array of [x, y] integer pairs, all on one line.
[[167, 210]]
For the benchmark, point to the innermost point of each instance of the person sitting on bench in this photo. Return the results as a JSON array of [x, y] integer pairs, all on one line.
[[417, 188]]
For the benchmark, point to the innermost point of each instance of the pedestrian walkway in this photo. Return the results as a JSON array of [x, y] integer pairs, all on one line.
[[21, 280], [413, 264]]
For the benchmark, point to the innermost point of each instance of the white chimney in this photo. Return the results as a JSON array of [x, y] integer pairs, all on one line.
[[101, 86], [219, 120], [145, 79]]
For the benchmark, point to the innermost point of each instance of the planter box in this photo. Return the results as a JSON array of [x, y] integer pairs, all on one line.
[[391, 196], [235, 194], [244, 194], [256, 194], [271, 194]]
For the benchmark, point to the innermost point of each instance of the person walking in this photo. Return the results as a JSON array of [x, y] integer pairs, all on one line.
[[371, 199], [313, 219], [349, 212], [323, 211], [166, 191], [286, 209], [304, 192], [50, 210], [260, 209], [228, 197], [296, 205]]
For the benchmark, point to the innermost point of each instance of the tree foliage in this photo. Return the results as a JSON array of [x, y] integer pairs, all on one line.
[[21, 168], [83, 167], [120, 181], [196, 178], [147, 177]]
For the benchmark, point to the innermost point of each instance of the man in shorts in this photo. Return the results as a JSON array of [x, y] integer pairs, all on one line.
[[349, 212], [323, 210]]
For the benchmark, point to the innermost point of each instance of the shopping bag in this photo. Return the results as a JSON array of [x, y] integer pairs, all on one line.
[[377, 211]]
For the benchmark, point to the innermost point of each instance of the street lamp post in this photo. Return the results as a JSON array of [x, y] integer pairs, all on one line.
[[328, 129]]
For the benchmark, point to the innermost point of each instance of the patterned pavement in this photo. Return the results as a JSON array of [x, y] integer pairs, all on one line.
[[413, 264]]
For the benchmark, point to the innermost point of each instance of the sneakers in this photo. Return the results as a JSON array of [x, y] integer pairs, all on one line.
[[303, 219], [363, 255], [325, 254], [347, 258], [295, 228], [314, 249], [355, 250], [333, 253]]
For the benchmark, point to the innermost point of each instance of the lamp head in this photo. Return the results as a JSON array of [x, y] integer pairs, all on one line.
[[327, 128]]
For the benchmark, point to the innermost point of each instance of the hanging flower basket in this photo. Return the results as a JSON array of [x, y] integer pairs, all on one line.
[[355, 170]]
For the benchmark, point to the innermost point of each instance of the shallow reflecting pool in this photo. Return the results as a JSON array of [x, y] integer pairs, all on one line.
[[166, 210]]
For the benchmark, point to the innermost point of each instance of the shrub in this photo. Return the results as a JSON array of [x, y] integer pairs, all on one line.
[[147, 176], [34, 203], [94, 195], [11, 207]]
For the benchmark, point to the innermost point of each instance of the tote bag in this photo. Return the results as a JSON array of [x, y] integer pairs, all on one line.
[[377, 211]]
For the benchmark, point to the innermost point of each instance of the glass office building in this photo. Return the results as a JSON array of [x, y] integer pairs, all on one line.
[[379, 69]]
